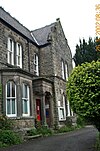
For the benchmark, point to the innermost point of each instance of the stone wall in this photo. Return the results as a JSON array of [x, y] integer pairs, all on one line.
[[28, 49]]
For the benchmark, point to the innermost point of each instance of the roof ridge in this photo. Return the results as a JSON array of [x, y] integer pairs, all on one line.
[[43, 27], [14, 18]]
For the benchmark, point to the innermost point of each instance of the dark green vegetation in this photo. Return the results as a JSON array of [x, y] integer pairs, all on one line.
[[86, 51], [83, 90], [7, 135]]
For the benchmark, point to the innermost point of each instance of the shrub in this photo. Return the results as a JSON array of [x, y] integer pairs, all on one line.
[[45, 131], [42, 130], [8, 137], [64, 129], [5, 123], [83, 91], [80, 121], [32, 132]]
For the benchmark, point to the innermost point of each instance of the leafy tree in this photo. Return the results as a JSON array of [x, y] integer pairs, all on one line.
[[83, 90], [85, 52]]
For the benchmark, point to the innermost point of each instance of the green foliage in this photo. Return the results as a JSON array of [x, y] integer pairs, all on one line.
[[65, 129], [32, 132], [81, 122], [97, 145], [5, 123], [83, 90], [85, 52], [44, 131], [8, 137]]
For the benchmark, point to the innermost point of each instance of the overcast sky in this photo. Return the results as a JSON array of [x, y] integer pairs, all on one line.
[[77, 16]]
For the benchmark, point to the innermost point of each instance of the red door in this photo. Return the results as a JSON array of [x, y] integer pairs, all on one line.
[[38, 109]]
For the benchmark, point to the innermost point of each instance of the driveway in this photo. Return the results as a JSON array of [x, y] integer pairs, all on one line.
[[79, 140]]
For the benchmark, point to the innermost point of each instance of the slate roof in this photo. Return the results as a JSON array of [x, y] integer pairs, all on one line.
[[41, 34], [5, 16], [38, 36]]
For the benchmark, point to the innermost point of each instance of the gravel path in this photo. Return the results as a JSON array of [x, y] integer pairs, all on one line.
[[80, 140]]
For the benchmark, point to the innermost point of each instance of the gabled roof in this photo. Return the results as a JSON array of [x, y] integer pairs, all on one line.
[[6, 17], [41, 34]]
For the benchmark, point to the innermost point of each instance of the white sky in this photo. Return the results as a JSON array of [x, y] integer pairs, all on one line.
[[77, 16]]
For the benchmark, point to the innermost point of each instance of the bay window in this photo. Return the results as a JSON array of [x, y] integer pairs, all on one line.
[[25, 100], [11, 99]]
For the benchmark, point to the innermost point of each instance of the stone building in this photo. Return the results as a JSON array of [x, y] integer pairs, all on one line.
[[34, 68]]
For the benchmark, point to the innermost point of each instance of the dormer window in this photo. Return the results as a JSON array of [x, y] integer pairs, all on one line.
[[36, 68]]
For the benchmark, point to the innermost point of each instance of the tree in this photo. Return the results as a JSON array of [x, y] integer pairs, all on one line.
[[83, 91], [85, 52]]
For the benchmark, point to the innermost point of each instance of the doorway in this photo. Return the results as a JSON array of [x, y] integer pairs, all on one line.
[[38, 109]]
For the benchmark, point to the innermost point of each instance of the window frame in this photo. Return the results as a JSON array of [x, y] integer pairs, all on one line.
[[66, 71], [36, 64], [11, 98], [10, 53], [62, 110], [19, 54], [62, 69], [24, 99]]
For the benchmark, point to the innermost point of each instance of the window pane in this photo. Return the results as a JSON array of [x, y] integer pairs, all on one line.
[[8, 89], [25, 108], [13, 106], [10, 45], [25, 91], [13, 89], [18, 60], [19, 55], [26, 96], [8, 107]]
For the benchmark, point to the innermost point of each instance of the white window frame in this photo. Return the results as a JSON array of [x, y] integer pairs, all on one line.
[[62, 110], [10, 51], [19, 55], [36, 66], [68, 108], [63, 73], [11, 98], [25, 99], [66, 71]]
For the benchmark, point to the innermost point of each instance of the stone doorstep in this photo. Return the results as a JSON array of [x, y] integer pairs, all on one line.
[[32, 137]]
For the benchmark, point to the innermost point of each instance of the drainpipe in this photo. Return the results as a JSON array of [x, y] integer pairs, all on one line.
[[28, 56]]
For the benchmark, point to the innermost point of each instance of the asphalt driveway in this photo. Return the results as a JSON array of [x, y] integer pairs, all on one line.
[[80, 140]]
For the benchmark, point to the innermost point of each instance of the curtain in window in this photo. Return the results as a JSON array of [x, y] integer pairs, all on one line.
[[10, 99]]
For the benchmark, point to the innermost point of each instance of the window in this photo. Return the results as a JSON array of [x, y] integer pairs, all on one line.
[[36, 70], [19, 55], [11, 99], [61, 109], [25, 100], [69, 110], [10, 51], [63, 74], [14, 52], [66, 71]]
